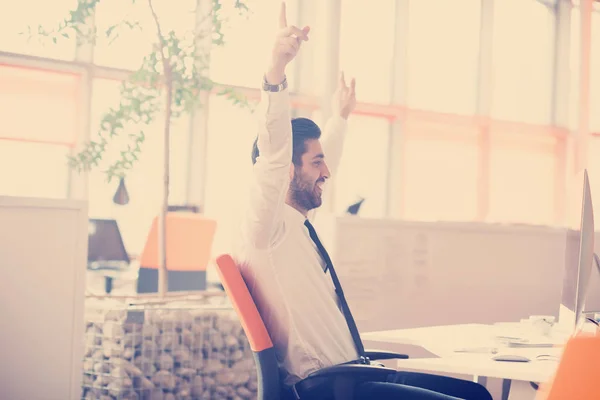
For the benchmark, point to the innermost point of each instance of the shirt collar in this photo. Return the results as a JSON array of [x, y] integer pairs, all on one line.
[[295, 215]]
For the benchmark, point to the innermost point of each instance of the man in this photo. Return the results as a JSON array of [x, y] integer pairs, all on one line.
[[287, 271]]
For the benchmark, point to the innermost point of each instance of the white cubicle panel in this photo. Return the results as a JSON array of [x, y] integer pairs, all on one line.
[[399, 274], [43, 252]]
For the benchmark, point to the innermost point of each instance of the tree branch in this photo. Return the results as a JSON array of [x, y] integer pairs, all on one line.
[[185, 76], [162, 220], [157, 22]]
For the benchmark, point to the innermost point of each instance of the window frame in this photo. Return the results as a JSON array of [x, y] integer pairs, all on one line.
[[395, 111]]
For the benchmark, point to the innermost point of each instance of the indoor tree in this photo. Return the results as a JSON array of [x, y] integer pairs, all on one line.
[[170, 80]]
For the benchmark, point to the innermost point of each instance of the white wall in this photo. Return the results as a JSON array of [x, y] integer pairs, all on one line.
[[43, 253], [400, 274]]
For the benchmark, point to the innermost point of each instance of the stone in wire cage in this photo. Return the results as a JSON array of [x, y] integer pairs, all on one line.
[[167, 354]]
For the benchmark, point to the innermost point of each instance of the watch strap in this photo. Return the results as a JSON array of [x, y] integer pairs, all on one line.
[[274, 88]]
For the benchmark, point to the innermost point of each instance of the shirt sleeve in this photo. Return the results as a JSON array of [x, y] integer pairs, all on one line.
[[332, 143], [270, 178]]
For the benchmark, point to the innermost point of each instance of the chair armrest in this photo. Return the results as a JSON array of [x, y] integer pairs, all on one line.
[[384, 355]]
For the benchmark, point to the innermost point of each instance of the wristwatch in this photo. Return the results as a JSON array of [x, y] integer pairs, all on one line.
[[274, 88]]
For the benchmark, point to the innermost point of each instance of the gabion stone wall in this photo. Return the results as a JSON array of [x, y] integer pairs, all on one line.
[[150, 353]]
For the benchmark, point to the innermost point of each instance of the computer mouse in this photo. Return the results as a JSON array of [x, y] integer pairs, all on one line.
[[510, 358]]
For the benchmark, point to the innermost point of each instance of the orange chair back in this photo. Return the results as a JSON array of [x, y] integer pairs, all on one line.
[[578, 373], [242, 302], [189, 242]]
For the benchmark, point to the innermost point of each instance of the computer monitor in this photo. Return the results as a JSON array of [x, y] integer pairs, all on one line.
[[579, 259], [105, 245]]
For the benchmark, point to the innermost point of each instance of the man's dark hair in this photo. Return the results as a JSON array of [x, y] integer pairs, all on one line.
[[303, 129]]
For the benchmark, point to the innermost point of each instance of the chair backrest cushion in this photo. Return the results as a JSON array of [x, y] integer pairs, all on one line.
[[578, 372], [242, 302], [189, 241]]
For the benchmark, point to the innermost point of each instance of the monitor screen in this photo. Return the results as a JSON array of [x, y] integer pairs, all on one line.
[[105, 242], [586, 247], [571, 274], [579, 251]]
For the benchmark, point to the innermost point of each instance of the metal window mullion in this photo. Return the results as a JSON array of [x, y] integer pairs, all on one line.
[[77, 183], [561, 85], [41, 63], [582, 136], [483, 107], [395, 199], [328, 62], [197, 138]]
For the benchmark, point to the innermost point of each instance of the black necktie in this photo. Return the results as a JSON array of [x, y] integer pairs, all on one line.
[[338, 289]]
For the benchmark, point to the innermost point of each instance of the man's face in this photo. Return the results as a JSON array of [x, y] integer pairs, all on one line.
[[306, 187]]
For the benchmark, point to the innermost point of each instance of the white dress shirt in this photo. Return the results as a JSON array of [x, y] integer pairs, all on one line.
[[277, 258]]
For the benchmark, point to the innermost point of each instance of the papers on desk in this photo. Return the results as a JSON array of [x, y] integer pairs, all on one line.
[[483, 350], [528, 344], [522, 336]]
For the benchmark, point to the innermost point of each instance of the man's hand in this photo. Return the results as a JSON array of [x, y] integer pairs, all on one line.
[[344, 99], [286, 47]]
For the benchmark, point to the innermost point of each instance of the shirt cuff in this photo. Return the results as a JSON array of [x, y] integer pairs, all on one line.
[[274, 103]]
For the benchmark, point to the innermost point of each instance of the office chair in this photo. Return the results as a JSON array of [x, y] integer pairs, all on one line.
[[578, 371], [327, 380], [189, 240]]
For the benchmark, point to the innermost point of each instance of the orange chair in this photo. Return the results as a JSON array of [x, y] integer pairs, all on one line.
[[189, 241], [578, 373], [326, 380]]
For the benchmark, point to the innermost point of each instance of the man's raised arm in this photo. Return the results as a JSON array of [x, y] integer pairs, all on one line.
[[334, 132], [344, 102], [271, 174]]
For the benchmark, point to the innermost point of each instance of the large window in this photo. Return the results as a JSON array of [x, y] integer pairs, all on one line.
[[15, 17], [126, 47], [442, 67], [575, 65], [440, 176], [51, 96], [440, 171], [36, 164], [231, 132], [594, 175], [248, 42], [595, 74], [363, 170], [594, 167], [594, 143], [145, 181], [522, 61], [523, 168], [33, 169], [366, 46], [594, 149]]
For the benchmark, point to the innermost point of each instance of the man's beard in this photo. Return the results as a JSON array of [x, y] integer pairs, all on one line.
[[304, 193]]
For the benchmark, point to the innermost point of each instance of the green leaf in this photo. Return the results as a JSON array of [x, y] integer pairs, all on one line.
[[142, 94], [110, 30]]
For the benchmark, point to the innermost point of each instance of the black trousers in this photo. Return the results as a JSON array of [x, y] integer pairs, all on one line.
[[414, 385]]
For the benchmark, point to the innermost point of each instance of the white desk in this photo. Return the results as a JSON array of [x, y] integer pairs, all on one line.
[[444, 340]]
